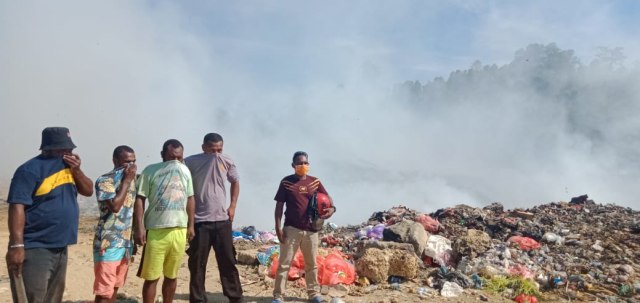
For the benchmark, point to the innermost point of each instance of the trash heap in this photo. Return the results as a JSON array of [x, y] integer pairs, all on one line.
[[577, 250], [250, 233]]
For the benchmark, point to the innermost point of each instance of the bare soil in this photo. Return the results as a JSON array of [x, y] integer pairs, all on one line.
[[79, 282]]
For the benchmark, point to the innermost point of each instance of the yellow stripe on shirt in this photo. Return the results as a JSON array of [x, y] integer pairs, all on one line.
[[52, 182]]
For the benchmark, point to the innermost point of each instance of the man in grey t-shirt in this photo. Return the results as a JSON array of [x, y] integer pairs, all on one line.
[[213, 218]]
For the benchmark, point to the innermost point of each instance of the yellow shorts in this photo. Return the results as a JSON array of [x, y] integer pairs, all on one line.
[[163, 253]]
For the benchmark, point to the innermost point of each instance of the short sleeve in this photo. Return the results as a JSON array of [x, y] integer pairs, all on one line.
[[281, 195], [232, 172], [189, 185], [23, 185], [105, 188], [143, 185]]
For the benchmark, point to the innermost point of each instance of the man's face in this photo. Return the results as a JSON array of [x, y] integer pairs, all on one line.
[[124, 159], [300, 160], [173, 153], [57, 153], [212, 147]]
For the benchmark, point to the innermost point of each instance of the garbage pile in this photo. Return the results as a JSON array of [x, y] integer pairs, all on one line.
[[250, 233], [577, 250]]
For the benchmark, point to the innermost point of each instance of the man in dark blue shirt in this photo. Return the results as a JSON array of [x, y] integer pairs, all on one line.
[[43, 217]]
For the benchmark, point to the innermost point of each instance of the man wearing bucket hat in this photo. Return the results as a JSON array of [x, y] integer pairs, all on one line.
[[43, 218]]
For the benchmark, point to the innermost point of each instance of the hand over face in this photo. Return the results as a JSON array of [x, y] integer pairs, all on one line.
[[73, 160]]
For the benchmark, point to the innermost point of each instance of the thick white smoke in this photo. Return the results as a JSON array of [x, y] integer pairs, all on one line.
[[277, 78]]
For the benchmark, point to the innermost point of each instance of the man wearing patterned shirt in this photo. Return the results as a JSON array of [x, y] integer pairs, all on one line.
[[294, 192], [112, 247]]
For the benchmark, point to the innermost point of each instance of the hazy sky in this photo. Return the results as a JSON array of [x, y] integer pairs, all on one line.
[[276, 77]]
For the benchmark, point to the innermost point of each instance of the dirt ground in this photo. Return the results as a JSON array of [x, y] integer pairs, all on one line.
[[80, 279]]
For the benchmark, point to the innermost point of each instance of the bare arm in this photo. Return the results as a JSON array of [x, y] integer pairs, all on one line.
[[15, 255], [235, 192], [138, 212], [116, 203], [278, 216], [16, 223], [83, 183], [191, 210]]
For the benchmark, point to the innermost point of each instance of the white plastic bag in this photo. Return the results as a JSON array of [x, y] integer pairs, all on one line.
[[450, 290], [439, 249]]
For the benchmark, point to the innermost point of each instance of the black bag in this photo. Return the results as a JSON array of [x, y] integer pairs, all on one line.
[[313, 215]]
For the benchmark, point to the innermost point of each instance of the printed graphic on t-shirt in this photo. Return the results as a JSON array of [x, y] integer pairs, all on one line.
[[302, 189], [172, 196], [113, 229], [50, 183]]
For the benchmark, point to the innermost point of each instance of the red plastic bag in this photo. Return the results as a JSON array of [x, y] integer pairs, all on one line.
[[525, 243], [336, 270], [295, 271], [520, 270], [522, 298], [298, 260], [430, 224], [428, 261]]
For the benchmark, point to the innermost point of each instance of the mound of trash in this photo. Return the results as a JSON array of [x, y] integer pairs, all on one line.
[[577, 250]]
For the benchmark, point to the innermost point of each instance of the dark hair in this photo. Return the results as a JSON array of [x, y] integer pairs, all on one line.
[[121, 149], [298, 154], [212, 137], [173, 142]]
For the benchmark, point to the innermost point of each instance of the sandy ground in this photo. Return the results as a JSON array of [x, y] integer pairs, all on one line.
[[80, 279]]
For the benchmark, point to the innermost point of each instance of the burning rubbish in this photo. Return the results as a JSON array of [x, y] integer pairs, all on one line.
[[577, 250]]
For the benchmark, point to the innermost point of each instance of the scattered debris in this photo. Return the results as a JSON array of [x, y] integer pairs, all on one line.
[[577, 250]]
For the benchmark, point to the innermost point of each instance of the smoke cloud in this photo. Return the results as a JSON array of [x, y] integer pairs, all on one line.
[[537, 123]]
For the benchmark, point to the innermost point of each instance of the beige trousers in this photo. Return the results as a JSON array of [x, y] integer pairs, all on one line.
[[307, 241]]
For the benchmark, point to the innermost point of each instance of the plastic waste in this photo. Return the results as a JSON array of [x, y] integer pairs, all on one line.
[[265, 258], [362, 233], [376, 232], [553, 238], [239, 235], [250, 231], [430, 224], [422, 291], [439, 249], [522, 298], [295, 271], [443, 275], [477, 281], [525, 243], [520, 270], [450, 290], [363, 281], [334, 270], [557, 282], [267, 237]]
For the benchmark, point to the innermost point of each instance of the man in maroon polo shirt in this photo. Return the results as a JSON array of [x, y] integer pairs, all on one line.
[[294, 192]]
